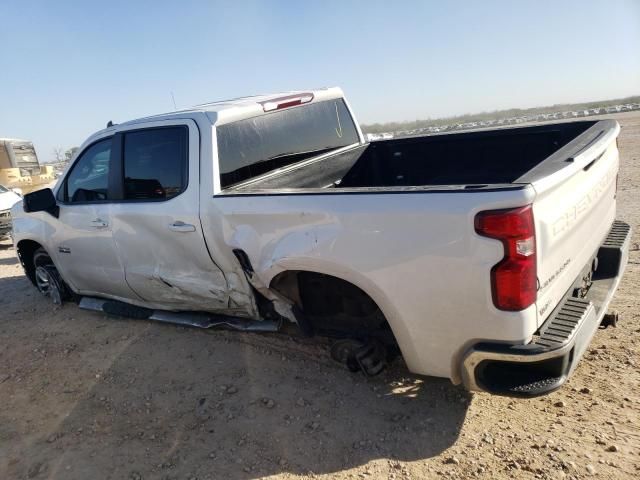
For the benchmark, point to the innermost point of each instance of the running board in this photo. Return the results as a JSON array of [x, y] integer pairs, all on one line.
[[192, 319]]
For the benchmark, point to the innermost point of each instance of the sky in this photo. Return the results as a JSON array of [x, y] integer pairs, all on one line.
[[69, 67]]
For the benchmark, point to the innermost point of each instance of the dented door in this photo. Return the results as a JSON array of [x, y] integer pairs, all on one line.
[[156, 226]]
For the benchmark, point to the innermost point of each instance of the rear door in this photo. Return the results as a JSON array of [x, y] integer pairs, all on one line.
[[574, 209], [156, 223]]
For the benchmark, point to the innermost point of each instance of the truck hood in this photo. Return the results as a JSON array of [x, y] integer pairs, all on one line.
[[8, 200]]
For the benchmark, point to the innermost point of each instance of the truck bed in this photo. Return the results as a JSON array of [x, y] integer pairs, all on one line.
[[477, 159], [397, 218]]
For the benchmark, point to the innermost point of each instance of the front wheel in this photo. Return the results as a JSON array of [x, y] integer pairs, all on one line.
[[47, 278]]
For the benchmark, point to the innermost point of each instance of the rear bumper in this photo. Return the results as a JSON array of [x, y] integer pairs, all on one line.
[[545, 364]]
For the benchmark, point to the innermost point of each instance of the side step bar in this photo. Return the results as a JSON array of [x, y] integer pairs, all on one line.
[[191, 319], [611, 256], [558, 330]]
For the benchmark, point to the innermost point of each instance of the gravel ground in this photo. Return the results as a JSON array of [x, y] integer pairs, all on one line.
[[86, 396]]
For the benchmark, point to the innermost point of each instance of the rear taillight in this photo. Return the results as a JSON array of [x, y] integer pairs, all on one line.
[[514, 278]]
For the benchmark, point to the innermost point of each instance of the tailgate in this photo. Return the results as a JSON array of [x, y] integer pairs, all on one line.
[[573, 210]]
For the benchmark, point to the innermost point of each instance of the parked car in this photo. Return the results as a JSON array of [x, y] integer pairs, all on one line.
[[8, 198], [487, 257]]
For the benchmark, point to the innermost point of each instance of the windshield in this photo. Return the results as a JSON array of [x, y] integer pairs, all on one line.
[[254, 146], [3, 189]]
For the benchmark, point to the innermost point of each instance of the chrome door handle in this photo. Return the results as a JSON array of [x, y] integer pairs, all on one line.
[[181, 227], [99, 223]]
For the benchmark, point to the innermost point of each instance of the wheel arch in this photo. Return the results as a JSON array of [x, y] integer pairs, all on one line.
[[26, 248], [274, 278]]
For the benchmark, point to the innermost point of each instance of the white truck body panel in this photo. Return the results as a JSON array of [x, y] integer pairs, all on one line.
[[339, 235]]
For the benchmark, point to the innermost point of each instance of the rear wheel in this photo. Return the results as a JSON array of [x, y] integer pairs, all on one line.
[[47, 278]]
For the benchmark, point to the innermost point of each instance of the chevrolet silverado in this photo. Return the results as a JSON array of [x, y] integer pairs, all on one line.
[[488, 257]]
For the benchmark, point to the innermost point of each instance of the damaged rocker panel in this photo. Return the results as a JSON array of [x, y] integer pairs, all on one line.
[[193, 319]]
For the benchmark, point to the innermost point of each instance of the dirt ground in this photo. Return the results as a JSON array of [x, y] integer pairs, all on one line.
[[85, 396]]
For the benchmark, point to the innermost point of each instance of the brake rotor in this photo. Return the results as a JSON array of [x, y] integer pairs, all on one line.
[[344, 351], [49, 283]]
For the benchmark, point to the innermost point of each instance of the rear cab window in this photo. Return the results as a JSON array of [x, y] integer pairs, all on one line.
[[254, 146]]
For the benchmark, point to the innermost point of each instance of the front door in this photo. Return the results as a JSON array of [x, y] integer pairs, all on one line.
[[157, 225], [86, 252]]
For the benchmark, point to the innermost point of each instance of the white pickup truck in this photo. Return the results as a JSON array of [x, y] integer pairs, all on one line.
[[486, 257]]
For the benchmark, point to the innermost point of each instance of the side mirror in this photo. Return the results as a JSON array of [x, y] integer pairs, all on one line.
[[41, 201]]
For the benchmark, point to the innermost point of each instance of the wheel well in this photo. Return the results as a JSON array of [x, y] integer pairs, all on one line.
[[332, 305], [26, 249]]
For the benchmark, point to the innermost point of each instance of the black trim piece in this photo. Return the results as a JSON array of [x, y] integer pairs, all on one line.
[[566, 155], [372, 190], [306, 171], [244, 261], [116, 169], [585, 147], [592, 162]]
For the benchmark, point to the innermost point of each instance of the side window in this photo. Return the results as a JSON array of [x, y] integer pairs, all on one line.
[[88, 180], [155, 163]]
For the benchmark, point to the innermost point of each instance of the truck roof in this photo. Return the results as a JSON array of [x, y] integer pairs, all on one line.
[[225, 111]]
